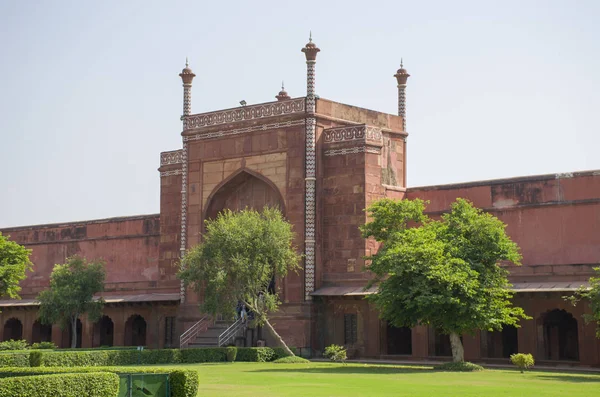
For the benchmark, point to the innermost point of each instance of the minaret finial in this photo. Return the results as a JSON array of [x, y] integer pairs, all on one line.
[[187, 62], [310, 36], [282, 86], [401, 63]]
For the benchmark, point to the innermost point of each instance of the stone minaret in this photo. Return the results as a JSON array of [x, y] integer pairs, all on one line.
[[283, 95], [310, 51], [402, 75], [186, 76]]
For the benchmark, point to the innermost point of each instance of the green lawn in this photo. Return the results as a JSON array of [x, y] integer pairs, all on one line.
[[324, 379]]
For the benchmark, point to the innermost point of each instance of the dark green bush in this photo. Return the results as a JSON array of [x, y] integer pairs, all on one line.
[[279, 352], [204, 355], [255, 354], [35, 358], [102, 384], [231, 353], [463, 366], [43, 345], [14, 345], [15, 359], [184, 383], [291, 360], [336, 353]]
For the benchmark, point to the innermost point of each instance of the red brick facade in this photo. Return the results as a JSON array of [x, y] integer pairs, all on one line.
[[259, 155]]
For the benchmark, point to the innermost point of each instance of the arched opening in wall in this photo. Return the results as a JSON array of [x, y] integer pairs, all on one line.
[[399, 340], [13, 329], [500, 344], [41, 332], [558, 329], [439, 343], [135, 331], [244, 189], [68, 332], [103, 332]]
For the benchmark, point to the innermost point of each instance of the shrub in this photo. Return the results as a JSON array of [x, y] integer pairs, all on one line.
[[462, 366], [279, 352], [256, 354], [35, 359], [231, 353], [43, 345], [336, 353], [291, 360], [184, 383], [203, 355], [14, 345], [63, 385], [522, 361], [14, 359]]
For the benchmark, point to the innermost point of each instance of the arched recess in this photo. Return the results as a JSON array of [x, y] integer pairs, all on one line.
[[500, 344], [243, 189], [399, 340], [135, 331], [13, 329], [103, 332], [559, 335], [41, 332], [67, 333]]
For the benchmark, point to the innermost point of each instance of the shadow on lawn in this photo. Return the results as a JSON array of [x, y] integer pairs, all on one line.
[[569, 378], [350, 369]]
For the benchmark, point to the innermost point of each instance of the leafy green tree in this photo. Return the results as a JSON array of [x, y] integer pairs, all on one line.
[[14, 263], [240, 256], [591, 295], [71, 294], [443, 273]]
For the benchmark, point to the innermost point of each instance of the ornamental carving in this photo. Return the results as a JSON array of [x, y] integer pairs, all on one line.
[[352, 133], [353, 150], [172, 157], [263, 127], [244, 113]]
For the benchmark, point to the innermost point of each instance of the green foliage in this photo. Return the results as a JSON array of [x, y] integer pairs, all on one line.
[[281, 352], [204, 355], [291, 360], [15, 359], [14, 263], [462, 366], [256, 354], [336, 353], [64, 385], [522, 361], [231, 353], [35, 358], [43, 345], [14, 345], [592, 296], [443, 273], [71, 293], [241, 253], [184, 383]]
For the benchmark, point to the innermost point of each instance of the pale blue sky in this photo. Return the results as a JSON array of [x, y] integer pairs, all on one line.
[[90, 93]]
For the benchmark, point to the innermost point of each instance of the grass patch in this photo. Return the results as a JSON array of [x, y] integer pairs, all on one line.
[[359, 380]]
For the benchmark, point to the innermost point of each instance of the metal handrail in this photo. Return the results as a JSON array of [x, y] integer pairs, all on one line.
[[191, 332], [231, 331]]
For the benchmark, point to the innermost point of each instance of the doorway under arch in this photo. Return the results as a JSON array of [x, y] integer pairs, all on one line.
[[103, 332], [13, 329], [559, 335], [41, 332], [135, 331], [500, 344], [399, 340]]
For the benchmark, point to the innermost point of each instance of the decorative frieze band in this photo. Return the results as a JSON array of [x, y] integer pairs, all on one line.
[[352, 133], [172, 157], [353, 150], [170, 173], [263, 127], [292, 106]]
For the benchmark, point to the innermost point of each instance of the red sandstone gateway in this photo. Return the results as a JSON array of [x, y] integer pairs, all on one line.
[[322, 163]]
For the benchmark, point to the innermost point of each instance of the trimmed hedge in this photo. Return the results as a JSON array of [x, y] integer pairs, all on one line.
[[102, 358], [95, 384], [184, 383]]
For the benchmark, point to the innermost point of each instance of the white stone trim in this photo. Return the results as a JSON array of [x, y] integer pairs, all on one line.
[[263, 127]]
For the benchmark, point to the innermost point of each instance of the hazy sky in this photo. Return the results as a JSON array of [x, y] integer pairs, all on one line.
[[90, 93]]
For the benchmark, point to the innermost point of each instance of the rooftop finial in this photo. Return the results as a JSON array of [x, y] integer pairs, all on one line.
[[401, 63], [187, 62], [310, 36], [282, 86]]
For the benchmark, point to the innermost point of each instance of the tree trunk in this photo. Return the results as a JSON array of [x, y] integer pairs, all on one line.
[[73, 332], [458, 353], [278, 337]]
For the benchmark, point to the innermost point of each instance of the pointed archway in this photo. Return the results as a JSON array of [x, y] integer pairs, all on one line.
[[243, 189], [559, 336], [13, 329]]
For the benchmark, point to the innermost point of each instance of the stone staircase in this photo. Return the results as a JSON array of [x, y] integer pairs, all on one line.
[[210, 337]]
